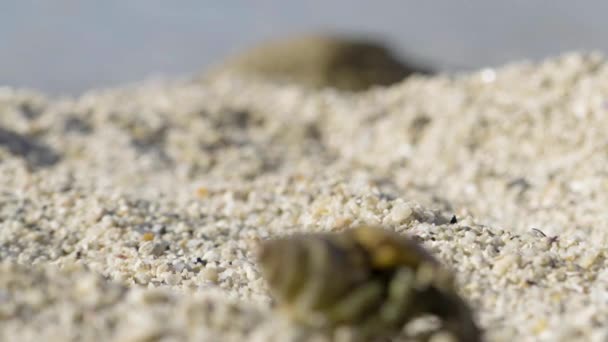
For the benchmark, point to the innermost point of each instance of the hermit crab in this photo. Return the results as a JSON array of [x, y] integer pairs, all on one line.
[[368, 278]]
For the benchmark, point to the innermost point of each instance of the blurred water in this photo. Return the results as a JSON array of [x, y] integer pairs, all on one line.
[[68, 46]]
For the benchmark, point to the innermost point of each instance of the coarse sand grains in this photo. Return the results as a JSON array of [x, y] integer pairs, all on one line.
[[133, 214]]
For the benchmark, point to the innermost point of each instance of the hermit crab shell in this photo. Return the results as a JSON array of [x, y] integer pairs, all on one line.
[[366, 276]]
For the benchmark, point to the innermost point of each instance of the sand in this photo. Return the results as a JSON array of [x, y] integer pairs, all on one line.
[[131, 214]]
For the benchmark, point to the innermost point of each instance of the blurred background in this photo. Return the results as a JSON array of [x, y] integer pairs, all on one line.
[[65, 47]]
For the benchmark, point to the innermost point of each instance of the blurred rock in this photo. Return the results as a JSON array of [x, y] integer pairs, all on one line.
[[322, 61]]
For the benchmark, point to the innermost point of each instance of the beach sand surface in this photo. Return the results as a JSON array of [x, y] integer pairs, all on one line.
[[132, 214]]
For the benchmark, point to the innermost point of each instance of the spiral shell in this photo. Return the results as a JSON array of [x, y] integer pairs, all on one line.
[[367, 277]]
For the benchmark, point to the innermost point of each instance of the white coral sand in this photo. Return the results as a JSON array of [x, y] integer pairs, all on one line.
[[131, 214]]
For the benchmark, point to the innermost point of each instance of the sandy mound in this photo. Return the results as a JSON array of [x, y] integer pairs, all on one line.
[[130, 214]]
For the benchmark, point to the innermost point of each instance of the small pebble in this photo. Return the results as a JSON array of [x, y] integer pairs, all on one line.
[[147, 236]]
